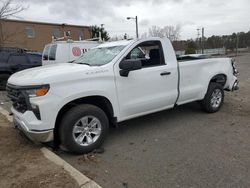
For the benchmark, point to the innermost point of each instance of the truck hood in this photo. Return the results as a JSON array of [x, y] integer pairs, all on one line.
[[51, 74]]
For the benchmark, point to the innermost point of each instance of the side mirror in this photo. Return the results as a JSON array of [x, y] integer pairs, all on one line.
[[127, 65]]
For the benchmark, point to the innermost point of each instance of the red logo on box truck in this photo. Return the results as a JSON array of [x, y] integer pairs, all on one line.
[[76, 51]]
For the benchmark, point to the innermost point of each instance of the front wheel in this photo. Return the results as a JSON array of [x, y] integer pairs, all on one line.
[[83, 128], [214, 98]]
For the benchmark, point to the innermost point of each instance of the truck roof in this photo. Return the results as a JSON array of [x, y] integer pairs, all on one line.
[[71, 41], [125, 42], [115, 43]]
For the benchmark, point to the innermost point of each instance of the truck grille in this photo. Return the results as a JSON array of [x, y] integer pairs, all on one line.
[[18, 99]]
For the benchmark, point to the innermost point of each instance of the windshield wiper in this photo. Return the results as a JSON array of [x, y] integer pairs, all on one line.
[[91, 65], [84, 64]]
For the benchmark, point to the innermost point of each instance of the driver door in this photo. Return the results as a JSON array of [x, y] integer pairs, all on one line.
[[149, 89]]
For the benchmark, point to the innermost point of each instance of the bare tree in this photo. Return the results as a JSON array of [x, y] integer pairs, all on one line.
[[144, 35], [172, 32], [8, 8], [155, 31]]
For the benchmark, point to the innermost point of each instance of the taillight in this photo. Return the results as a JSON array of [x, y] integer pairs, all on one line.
[[235, 71]]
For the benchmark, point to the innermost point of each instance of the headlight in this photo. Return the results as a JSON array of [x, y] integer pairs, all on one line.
[[37, 91]]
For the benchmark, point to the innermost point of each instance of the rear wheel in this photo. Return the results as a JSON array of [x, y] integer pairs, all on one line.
[[3, 81], [83, 128], [214, 98]]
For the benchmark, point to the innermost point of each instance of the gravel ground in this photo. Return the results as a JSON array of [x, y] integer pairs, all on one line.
[[183, 147], [23, 165], [4, 101]]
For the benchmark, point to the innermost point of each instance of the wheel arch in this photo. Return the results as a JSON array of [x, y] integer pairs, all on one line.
[[220, 78], [97, 100]]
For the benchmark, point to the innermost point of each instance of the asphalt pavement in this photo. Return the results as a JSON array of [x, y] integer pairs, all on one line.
[[183, 147]]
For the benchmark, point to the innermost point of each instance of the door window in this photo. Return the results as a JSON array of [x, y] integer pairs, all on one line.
[[30, 32], [52, 52], [3, 56], [81, 35], [35, 59], [17, 59], [46, 53], [150, 53], [137, 53]]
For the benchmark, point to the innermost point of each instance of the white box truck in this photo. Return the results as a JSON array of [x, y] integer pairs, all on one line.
[[65, 51]]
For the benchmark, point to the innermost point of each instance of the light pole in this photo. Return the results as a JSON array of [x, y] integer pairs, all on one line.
[[136, 25]]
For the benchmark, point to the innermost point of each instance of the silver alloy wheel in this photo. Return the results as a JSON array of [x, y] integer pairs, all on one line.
[[216, 98], [87, 130]]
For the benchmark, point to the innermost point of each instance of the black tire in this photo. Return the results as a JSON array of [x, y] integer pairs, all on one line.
[[206, 103], [67, 137], [3, 81]]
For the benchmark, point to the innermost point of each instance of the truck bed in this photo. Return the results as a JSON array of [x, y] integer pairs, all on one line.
[[191, 57], [194, 76]]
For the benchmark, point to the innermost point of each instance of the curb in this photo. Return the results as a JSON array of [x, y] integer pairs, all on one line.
[[6, 114], [82, 180]]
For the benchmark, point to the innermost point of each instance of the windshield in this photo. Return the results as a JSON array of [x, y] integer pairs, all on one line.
[[99, 56]]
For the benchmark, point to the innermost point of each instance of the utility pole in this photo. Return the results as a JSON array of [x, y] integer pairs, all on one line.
[[198, 39], [237, 43], [202, 40]]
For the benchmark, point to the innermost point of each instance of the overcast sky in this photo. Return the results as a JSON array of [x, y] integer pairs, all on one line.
[[216, 16]]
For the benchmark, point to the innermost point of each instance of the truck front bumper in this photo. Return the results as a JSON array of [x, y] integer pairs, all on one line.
[[33, 135]]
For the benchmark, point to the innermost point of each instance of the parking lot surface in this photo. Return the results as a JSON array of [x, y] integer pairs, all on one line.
[[183, 147]]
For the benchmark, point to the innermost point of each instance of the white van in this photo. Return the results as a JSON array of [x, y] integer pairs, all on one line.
[[65, 51]]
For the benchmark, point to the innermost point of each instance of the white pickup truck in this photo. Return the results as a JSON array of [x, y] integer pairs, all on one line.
[[75, 103]]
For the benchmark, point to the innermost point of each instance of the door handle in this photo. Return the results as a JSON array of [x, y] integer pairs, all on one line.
[[165, 73]]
